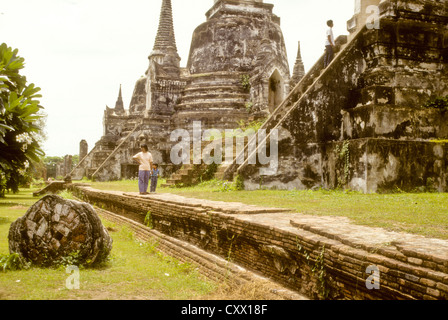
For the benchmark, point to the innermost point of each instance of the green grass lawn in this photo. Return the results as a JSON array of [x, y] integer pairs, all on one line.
[[419, 213], [135, 270]]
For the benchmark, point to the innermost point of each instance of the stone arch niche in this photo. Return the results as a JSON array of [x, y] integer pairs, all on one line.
[[276, 90]]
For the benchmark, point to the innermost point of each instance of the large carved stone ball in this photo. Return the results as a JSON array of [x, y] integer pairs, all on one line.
[[55, 228]]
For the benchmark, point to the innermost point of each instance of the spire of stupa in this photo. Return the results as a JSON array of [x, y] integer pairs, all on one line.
[[119, 106], [165, 34], [299, 69], [165, 50]]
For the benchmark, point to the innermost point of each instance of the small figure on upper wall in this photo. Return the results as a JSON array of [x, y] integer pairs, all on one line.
[[329, 44]]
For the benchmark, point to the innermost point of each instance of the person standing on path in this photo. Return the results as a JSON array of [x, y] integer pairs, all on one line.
[[154, 177], [144, 158], [329, 44]]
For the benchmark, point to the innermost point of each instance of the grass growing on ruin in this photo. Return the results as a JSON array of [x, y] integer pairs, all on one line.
[[135, 270], [419, 213]]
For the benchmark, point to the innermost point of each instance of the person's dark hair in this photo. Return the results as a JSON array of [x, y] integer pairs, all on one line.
[[144, 147], [329, 23], [155, 164]]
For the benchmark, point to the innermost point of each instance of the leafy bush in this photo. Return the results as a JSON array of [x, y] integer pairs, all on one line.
[[236, 185], [209, 172], [249, 106], [252, 125], [438, 103], [226, 186], [13, 262], [245, 82], [20, 121], [239, 183], [71, 259], [38, 183], [148, 220]]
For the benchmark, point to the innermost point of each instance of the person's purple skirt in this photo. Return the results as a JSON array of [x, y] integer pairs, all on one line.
[[143, 181]]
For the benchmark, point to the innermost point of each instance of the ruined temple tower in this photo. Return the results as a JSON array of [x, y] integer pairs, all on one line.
[[237, 69], [119, 106], [240, 39], [83, 149], [299, 69], [163, 73]]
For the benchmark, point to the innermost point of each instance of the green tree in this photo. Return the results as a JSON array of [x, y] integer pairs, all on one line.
[[51, 163], [75, 160], [20, 120]]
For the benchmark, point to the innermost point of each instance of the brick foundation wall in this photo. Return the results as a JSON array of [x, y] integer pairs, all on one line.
[[320, 257]]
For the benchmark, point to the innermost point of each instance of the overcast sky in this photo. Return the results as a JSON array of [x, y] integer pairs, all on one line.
[[80, 51]]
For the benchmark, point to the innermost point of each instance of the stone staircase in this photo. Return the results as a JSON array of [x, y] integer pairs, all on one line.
[[98, 157], [104, 157], [288, 104], [190, 174], [219, 175], [227, 93], [359, 123], [184, 176], [223, 93]]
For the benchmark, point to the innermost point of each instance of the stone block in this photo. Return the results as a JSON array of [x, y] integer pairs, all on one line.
[[433, 292], [46, 241]]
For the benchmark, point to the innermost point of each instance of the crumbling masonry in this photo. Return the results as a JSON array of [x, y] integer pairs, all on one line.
[[240, 41], [362, 123]]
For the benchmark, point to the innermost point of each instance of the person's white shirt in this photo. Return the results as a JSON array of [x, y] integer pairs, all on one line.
[[145, 160], [329, 34]]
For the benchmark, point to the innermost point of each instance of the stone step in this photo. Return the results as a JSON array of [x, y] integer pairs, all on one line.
[[222, 168], [176, 177], [227, 106], [183, 171], [220, 173], [233, 80], [230, 88], [180, 177], [216, 102], [215, 78], [217, 97]]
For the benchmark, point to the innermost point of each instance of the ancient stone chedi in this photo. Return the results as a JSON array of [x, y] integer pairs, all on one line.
[[237, 70]]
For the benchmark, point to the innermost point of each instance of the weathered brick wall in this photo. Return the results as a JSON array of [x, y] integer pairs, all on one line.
[[320, 257], [208, 264]]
